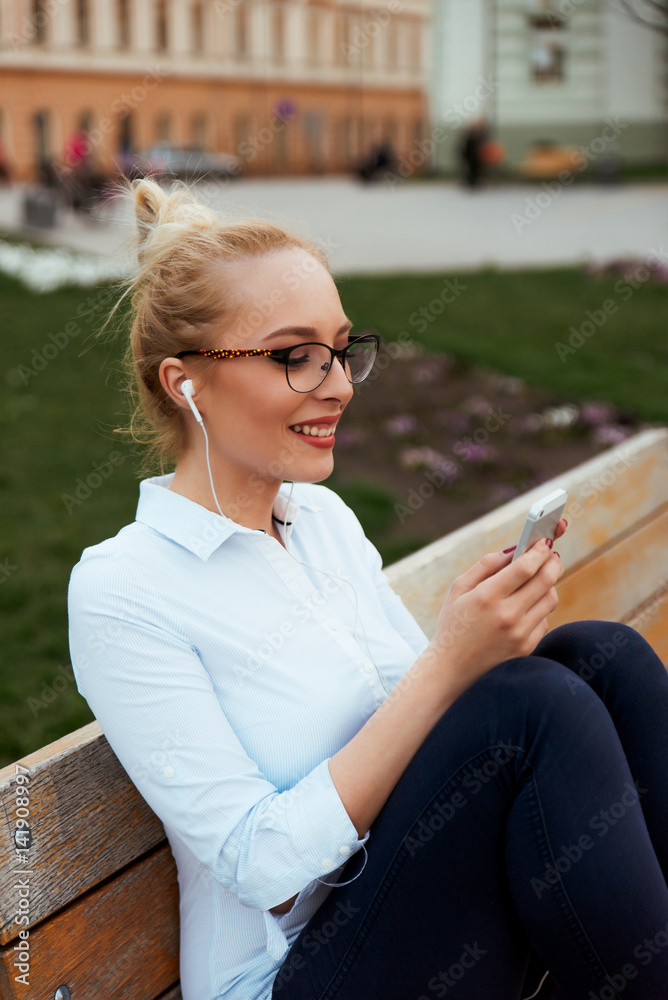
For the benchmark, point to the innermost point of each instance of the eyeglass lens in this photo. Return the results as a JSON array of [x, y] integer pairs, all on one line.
[[308, 364]]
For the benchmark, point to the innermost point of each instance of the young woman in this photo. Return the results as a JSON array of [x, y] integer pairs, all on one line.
[[356, 812]]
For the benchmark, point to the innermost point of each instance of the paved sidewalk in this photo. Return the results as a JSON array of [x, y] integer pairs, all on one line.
[[422, 226]]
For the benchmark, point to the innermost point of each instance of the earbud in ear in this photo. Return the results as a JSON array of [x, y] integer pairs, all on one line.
[[188, 390]]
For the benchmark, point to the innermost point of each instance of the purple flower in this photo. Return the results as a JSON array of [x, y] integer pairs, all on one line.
[[532, 423], [479, 453], [502, 492], [403, 423], [477, 405], [349, 437], [430, 459], [610, 434], [426, 372], [593, 414]]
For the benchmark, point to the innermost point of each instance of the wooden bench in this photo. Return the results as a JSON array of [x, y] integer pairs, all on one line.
[[103, 894]]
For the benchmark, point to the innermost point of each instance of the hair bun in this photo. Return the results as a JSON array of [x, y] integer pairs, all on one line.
[[177, 209]]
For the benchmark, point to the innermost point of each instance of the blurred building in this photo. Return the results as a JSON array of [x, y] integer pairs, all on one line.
[[550, 70], [288, 85]]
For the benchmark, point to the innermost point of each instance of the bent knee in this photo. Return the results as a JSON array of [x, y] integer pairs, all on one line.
[[599, 649]]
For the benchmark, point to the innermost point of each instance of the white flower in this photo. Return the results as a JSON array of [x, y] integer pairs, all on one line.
[[45, 269]]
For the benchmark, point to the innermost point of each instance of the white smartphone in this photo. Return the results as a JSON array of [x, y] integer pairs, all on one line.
[[542, 521]]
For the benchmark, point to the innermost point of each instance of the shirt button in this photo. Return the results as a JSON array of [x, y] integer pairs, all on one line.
[[327, 864], [367, 668], [344, 849], [168, 772], [333, 624]]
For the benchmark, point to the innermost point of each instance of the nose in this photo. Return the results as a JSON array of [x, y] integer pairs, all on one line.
[[335, 384]]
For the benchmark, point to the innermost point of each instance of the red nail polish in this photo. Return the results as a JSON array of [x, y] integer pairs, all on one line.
[[549, 543], [511, 549]]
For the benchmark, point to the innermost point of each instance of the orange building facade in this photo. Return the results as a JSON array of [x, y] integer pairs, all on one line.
[[289, 87]]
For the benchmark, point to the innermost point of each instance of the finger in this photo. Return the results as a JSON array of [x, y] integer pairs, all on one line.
[[561, 528], [510, 578], [541, 609], [534, 590], [488, 566]]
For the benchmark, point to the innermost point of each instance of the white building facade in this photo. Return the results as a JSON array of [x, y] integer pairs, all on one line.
[[553, 70]]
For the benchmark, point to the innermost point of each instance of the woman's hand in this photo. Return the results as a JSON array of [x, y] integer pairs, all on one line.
[[497, 610]]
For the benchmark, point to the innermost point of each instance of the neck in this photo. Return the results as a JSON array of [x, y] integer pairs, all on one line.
[[251, 508]]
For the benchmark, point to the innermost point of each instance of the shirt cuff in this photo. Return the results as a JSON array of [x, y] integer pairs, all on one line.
[[321, 827]]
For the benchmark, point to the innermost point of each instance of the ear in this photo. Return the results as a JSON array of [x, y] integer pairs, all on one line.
[[172, 375]]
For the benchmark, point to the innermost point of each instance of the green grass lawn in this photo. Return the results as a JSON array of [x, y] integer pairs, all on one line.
[[61, 402]]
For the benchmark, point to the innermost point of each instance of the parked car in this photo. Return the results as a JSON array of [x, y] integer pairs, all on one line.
[[185, 164]]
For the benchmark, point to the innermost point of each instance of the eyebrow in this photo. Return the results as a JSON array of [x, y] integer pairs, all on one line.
[[303, 331]]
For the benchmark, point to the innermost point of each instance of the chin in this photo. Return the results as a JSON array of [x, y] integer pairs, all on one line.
[[311, 472]]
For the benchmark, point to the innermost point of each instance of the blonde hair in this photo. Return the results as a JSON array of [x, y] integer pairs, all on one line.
[[180, 299]]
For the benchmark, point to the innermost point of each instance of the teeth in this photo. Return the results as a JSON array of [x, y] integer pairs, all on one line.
[[314, 431]]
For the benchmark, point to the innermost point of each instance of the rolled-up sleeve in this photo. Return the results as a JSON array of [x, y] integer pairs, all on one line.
[[157, 707]]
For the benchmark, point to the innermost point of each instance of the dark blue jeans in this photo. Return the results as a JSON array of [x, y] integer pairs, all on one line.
[[533, 820]]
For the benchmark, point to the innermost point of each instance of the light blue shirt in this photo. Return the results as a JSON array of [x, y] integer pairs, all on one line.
[[224, 675]]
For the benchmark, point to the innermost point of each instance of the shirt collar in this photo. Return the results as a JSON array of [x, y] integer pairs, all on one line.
[[194, 527]]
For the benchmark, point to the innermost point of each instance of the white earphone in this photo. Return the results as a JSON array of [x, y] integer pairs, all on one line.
[[188, 390]]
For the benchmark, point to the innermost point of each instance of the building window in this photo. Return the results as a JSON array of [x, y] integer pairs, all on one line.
[[278, 31], [200, 131], [314, 134], [161, 27], [241, 34], [163, 128], [548, 51], [123, 15], [243, 125], [42, 138], [393, 45], [415, 46], [313, 35], [82, 22], [126, 135], [348, 49], [197, 28], [40, 19]]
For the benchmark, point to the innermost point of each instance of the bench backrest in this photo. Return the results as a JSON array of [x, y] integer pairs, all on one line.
[[102, 896]]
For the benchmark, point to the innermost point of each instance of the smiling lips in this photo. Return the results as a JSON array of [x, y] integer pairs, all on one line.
[[319, 433]]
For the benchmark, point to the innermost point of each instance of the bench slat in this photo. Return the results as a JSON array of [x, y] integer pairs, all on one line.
[[173, 994], [607, 496], [87, 821], [119, 942], [618, 581]]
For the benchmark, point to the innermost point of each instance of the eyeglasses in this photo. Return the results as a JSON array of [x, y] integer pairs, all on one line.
[[307, 365]]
